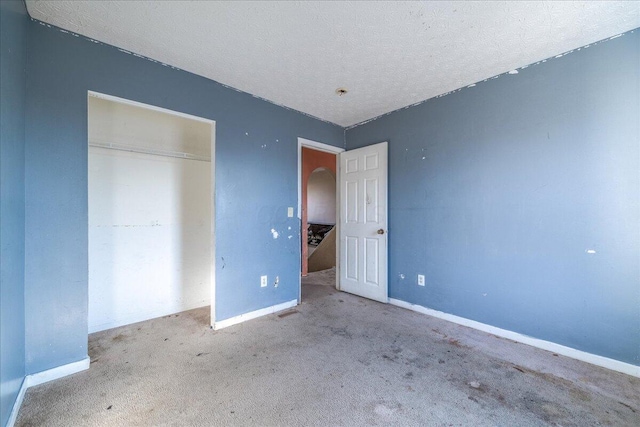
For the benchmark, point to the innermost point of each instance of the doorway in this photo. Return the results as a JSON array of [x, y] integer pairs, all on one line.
[[317, 164], [151, 212], [318, 202], [361, 218]]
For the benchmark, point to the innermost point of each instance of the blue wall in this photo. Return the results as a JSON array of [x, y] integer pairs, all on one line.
[[256, 180], [13, 44], [497, 191]]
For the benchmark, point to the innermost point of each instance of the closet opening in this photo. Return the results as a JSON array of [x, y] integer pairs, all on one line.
[[151, 212]]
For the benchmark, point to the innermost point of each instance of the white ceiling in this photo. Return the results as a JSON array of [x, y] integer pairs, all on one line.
[[387, 54]]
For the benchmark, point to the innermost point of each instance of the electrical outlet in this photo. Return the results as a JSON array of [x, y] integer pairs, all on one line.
[[420, 279], [277, 282], [263, 281]]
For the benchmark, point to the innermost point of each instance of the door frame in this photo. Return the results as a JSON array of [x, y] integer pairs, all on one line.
[[91, 93], [319, 146]]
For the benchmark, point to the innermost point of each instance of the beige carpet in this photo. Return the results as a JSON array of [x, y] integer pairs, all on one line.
[[336, 360]]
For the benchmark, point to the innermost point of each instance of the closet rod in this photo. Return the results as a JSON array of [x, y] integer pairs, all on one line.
[[163, 153]]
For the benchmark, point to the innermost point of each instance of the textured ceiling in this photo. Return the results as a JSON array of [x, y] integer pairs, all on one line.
[[387, 54]]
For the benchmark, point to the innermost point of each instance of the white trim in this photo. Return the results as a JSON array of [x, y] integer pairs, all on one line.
[[13, 416], [302, 142], [254, 314], [43, 377], [147, 106], [57, 372], [338, 226], [212, 317], [320, 146], [594, 359]]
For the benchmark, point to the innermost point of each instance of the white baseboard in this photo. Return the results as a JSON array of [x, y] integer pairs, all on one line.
[[254, 314], [17, 404], [43, 377], [594, 359], [57, 372]]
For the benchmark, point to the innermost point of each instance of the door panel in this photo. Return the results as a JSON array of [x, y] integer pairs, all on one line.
[[363, 222], [351, 188]]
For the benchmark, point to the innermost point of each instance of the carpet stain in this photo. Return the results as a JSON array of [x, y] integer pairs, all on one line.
[[288, 313], [119, 338], [570, 386], [390, 358], [341, 332], [202, 318], [95, 350], [628, 406], [456, 343]]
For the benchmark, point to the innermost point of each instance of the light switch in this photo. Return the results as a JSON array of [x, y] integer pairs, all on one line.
[[290, 212]]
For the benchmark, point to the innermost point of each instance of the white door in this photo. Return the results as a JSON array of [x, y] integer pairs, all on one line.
[[363, 222]]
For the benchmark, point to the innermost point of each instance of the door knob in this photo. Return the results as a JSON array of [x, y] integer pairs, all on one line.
[[381, 231]]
